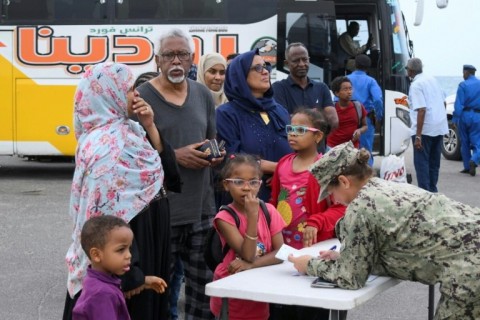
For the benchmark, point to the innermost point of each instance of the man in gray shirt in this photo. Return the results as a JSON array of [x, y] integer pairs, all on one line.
[[185, 115]]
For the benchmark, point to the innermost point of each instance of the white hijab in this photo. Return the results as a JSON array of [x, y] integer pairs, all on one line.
[[206, 62]]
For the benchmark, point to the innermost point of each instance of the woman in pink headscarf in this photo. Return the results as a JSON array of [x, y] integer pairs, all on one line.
[[119, 172]]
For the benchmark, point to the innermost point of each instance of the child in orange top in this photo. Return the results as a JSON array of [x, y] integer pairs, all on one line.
[[347, 115], [254, 243]]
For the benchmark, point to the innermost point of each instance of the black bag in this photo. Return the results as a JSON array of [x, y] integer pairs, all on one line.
[[213, 253]]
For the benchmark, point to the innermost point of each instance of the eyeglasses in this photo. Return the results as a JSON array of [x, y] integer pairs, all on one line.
[[170, 56], [299, 130], [259, 67], [254, 183]]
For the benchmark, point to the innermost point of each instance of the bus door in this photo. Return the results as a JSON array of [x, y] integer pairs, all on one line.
[[6, 92], [313, 24]]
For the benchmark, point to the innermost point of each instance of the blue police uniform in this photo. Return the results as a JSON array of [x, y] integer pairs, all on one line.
[[368, 92], [466, 117]]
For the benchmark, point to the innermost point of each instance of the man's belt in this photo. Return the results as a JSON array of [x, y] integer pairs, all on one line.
[[471, 109]]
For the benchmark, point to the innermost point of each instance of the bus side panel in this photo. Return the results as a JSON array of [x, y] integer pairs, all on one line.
[[6, 93], [49, 60], [397, 123], [44, 118]]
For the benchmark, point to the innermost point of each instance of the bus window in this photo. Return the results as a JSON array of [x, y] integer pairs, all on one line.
[[168, 10], [399, 40], [362, 36], [259, 10], [142, 9], [196, 10], [23, 10], [85, 10], [316, 32]]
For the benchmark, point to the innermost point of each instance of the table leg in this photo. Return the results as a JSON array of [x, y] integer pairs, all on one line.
[[224, 310], [338, 315], [431, 301]]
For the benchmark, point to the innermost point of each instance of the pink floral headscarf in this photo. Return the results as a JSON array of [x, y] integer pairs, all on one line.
[[117, 171]]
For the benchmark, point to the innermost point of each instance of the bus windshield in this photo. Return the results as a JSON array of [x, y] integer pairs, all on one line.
[[399, 39]]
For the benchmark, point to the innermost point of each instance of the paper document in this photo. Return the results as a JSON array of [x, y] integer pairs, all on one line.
[[285, 250]]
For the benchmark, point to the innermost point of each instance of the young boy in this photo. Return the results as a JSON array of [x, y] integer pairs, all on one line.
[[348, 122], [107, 240]]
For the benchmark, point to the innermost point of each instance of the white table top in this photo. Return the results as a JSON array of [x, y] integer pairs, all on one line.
[[280, 284]]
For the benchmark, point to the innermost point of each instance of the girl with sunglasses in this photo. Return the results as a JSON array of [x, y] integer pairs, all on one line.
[[255, 242], [295, 193]]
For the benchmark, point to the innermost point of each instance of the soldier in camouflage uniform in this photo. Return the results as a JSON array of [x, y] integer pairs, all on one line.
[[398, 230]]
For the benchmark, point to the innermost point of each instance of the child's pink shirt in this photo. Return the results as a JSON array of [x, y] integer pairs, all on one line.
[[246, 309], [291, 203]]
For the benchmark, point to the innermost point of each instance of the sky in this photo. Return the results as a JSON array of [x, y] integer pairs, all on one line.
[[447, 38]]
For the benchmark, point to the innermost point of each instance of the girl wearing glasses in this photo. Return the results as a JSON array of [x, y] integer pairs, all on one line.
[[255, 242], [252, 122], [348, 118], [295, 194]]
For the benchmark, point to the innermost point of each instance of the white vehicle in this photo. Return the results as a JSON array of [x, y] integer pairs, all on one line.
[[46, 44], [451, 141]]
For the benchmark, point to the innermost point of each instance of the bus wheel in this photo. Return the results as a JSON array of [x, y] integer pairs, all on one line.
[[451, 144]]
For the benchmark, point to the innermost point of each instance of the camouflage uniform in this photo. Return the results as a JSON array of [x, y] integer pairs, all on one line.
[[401, 231]]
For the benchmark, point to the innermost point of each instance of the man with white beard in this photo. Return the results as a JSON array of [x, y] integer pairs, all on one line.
[[185, 115]]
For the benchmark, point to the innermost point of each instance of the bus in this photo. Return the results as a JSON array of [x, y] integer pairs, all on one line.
[[45, 45]]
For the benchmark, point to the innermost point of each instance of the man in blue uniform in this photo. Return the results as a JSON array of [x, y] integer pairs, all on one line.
[[466, 117], [367, 91]]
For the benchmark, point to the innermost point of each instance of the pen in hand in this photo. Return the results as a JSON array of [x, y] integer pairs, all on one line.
[[330, 254]]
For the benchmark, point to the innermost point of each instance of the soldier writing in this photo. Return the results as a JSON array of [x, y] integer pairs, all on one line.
[[397, 230]]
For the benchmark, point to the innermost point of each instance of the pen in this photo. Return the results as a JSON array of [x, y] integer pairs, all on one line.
[[333, 248]]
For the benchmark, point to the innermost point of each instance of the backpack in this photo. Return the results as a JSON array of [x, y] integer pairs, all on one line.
[[358, 107], [213, 253]]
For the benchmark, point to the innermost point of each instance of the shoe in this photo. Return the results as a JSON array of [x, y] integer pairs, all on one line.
[[473, 168], [465, 171]]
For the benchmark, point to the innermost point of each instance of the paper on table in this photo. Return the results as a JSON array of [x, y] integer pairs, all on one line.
[[285, 250]]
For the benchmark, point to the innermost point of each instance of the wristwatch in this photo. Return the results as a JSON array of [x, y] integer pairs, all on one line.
[[418, 137]]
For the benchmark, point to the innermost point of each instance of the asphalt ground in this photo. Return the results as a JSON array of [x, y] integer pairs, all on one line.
[[35, 231]]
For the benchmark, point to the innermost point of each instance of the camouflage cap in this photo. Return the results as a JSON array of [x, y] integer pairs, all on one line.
[[332, 164]]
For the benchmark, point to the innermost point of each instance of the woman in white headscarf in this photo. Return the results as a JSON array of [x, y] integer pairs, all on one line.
[[211, 73]]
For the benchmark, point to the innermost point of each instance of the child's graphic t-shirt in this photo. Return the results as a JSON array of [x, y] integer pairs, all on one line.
[[291, 201], [296, 196]]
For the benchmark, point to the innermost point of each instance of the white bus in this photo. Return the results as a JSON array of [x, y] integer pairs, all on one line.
[[46, 44]]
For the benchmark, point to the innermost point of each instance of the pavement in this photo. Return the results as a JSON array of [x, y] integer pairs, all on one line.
[[35, 234]]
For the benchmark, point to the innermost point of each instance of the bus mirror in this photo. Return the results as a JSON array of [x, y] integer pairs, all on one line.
[[419, 13], [442, 3]]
